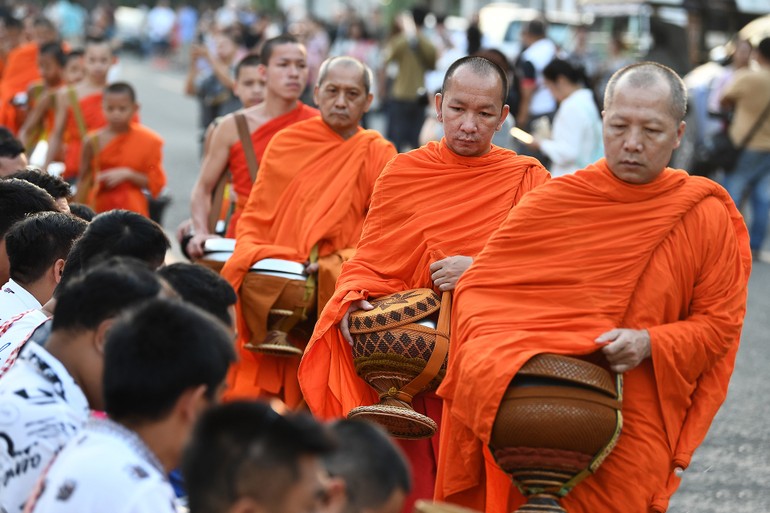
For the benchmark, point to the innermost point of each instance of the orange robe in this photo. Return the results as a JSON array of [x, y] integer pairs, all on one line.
[[580, 256], [428, 204], [313, 188], [19, 72], [93, 117], [140, 149], [259, 138]]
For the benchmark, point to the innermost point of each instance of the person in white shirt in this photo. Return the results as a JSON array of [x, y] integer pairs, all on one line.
[[165, 362], [46, 396], [576, 134], [37, 249], [246, 457], [17, 200], [536, 100]]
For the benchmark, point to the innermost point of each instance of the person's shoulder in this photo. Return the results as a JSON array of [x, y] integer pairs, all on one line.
[[147, 133]]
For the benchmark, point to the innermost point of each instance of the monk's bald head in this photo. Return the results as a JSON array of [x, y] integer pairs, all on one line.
[[644, 75], [480, 66], [349, 62]]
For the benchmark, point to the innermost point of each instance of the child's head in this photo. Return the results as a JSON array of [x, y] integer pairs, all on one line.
[[97, 59], [50, 62], [119, 104], [74, 69], [249, 82]]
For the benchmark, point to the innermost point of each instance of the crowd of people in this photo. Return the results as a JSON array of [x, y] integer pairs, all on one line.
[[220, 385]]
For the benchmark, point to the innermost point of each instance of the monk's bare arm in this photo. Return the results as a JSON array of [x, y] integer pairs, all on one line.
[[214, 164], [35, 117], [60, 120]]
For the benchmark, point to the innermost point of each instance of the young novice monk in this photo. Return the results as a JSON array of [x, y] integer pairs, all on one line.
[[121, 159]]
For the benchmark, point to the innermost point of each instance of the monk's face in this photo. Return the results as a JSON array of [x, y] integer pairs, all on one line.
[[286, 72], [97, 61], [250, 86], [640, 133], [119, 108], [342, 98], [50, 70], [74, 70], [471, 110]]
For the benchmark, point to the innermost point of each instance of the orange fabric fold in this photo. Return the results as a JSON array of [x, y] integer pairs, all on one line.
[[141, 150], [19, 72], [313, 188], [239, 170], [580, 256]]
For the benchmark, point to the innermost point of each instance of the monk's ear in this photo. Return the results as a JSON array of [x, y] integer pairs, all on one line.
[[369, 99], [315, 95], [503, 115], [438, 100], [680, 133]]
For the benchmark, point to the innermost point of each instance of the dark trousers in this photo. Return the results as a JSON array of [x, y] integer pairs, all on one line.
[[405, 120]]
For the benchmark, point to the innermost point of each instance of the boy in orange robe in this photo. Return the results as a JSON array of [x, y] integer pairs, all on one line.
[[312, 190], [433, 210], [79, 108], [628, 258], [282, 65], [121, 159]]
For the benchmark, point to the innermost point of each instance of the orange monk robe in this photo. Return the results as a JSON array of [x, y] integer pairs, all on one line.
[[93, 117], [428, 204], [19, 72], [313, 188], [141, 150], [239, 170], [580, 256]]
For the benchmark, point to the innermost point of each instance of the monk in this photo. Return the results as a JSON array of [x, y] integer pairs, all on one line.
[[79, 108], [639, 263], [39, 118], [18, 73], [432, 212], [249, 88], [312, 191], [283, 64], [121, 159]]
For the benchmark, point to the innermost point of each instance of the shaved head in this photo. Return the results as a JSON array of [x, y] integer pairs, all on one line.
[[480, 66], [344, 60], [643, 75]]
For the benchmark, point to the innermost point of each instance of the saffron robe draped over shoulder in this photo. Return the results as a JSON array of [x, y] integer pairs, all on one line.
[[578, 257], [239, 169], [313, 188], [141, 150], [19, 72], [428, 204]]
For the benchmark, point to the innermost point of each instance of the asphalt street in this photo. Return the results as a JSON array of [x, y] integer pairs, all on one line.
[[730, 471]]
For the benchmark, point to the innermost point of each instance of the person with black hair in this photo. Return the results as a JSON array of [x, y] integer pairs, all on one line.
[[202, 287], [82, 211], [12, 156], [576, 133], [19, 198], [536, 100], [414, 54], [51, 390], [37, 249], [164, 363], [244, 456], [368, 473], [58, 189]]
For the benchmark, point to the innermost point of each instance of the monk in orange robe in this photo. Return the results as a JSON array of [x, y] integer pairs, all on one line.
[[79, 108], [642, 264], [39, 119], [20, 71], [313, 190], [121, 159], [432, 211], [283, 68]]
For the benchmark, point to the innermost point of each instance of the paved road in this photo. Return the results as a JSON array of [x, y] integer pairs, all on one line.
[[731, 470]]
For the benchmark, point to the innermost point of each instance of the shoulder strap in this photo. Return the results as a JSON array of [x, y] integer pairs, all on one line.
[[77, 112], [248, 147], [755, 128]]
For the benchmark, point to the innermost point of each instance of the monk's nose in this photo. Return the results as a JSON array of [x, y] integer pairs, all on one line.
[[633, 141]]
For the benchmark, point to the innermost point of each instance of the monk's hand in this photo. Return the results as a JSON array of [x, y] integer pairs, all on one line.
[[195, 244], [114, 177], [361, 304], [625, 348], [447, 271], [311, 268]]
